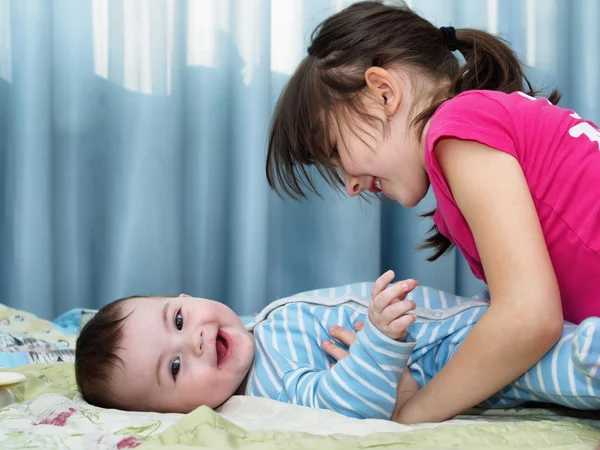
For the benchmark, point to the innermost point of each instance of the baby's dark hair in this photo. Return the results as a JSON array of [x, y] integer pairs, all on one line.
[[96, 354], [332, 76]]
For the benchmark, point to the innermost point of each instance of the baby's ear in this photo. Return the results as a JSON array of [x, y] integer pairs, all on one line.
[[183, 295]]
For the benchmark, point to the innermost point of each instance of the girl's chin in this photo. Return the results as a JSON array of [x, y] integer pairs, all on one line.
[[387, 195]]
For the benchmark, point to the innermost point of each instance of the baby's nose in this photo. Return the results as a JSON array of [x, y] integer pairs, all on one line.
[[198, 343]]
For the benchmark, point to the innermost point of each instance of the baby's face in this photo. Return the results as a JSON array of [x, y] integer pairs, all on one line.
[[180, 353]]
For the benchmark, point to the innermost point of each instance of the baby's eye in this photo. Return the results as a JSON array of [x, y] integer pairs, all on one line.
[[178, 320], [175, 367]]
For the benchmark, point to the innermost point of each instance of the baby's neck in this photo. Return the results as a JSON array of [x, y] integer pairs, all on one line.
[[242, 389]]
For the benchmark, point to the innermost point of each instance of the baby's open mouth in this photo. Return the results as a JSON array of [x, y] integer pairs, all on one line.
[[222, 344]]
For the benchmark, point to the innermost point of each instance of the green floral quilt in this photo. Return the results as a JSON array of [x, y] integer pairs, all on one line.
[[49, 413]]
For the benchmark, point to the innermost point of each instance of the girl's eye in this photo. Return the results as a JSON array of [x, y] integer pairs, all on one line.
[[334, 153], [175, 367], [178, 320]]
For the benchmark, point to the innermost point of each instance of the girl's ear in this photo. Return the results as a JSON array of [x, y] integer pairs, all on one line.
[[385, 87]]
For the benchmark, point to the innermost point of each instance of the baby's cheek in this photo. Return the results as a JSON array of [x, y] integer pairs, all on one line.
[[196, 396], [213, 389]]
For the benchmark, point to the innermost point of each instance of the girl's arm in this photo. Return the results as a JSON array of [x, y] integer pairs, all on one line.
[[525, 318]]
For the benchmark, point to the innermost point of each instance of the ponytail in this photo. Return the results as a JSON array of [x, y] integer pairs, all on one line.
[[490, 64]]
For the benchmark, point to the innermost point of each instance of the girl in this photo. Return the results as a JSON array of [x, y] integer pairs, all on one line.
[[381, 104]]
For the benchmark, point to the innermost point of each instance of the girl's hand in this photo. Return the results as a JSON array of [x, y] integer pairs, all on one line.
[[388, 307], [407, 387]]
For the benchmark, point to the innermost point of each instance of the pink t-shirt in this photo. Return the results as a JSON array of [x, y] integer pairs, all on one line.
[[560, 156]]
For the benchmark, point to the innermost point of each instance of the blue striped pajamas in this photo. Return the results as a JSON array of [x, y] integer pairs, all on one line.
[[290, 365]]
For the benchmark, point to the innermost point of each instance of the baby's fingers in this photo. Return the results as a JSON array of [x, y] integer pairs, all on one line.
[[396, 310], [382, 282], [343, 335], [404, 288], [398, 326], [390, 295], [333, 350]]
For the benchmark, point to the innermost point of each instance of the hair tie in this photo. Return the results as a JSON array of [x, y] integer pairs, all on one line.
[[449, 34]]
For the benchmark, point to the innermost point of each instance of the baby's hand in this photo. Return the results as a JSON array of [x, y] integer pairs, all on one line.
[[388, 307]]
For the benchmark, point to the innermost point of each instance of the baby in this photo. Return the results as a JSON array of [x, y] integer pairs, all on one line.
[[173, 354]]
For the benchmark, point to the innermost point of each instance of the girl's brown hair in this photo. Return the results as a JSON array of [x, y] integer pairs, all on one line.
[[330, 79]]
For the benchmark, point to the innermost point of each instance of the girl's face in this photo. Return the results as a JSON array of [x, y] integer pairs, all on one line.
[[386, 159]]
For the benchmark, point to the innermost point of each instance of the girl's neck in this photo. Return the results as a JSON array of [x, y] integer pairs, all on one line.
[[430, 94]]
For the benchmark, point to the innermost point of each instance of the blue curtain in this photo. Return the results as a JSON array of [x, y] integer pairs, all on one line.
[[133, 137]]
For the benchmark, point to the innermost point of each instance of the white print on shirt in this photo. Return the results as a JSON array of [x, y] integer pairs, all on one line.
[[577, 130], [529, 97], [585, 128]]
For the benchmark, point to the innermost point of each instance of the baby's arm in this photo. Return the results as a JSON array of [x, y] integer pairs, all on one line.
[[373, 370], [407, 386], [567, 375], [363, 384]]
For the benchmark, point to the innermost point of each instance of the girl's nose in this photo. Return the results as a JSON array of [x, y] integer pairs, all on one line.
[[353, 186]]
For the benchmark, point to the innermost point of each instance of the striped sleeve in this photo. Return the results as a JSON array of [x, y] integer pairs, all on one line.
[[362, 385], [567, 375]]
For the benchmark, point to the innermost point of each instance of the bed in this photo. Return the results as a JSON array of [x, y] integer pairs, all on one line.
[[49, 413]]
